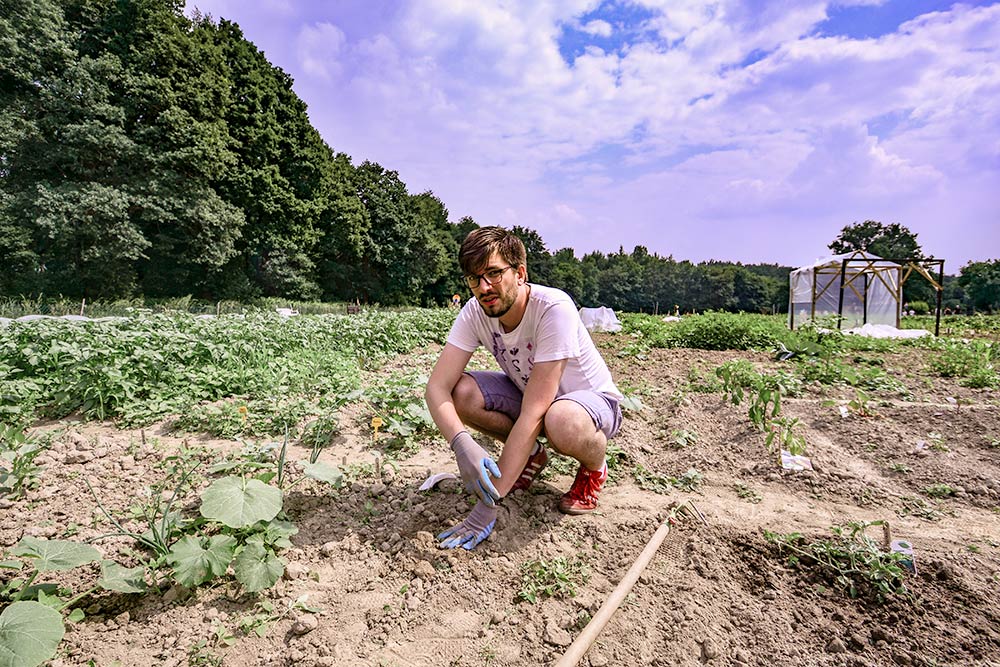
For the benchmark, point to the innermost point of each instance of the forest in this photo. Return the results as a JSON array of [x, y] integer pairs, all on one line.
[[147, 153]]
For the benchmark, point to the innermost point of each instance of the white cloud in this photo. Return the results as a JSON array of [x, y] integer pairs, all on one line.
[[320, 49], [597, 27], [475, 101]]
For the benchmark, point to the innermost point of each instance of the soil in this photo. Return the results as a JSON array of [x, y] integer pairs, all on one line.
[[374, 588]]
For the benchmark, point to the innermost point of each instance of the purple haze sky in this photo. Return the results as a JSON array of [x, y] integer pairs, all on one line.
[[742, 130]]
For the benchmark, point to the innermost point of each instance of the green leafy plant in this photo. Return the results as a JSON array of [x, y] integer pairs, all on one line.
[[937, 442], [921, 508], [682, 438], [647, 480], [861, 404], [744, 492], [265, 615], [31, 626], [939, 490], [852, 560], [556, 578], [782, 436], [740, 379], [18, 470]]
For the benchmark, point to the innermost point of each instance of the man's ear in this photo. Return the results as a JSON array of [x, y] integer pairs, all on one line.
[[522, 274]]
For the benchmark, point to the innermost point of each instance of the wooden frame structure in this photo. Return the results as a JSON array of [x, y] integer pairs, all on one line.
[[872, 269]]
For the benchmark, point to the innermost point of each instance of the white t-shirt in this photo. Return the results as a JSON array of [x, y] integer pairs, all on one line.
[[550, 330]]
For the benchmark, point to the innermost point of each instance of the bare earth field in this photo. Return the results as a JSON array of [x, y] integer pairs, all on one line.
[[374, 589]]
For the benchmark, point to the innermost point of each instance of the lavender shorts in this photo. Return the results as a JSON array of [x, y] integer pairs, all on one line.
[[502, 395]]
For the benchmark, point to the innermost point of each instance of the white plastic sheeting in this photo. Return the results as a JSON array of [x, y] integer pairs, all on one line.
[[887, 331], [600, 319], [870, 290]]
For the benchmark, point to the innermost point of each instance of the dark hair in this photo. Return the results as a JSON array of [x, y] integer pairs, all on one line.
[[483, 242]]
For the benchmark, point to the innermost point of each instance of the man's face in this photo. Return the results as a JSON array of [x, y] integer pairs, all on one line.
[[497, 298]]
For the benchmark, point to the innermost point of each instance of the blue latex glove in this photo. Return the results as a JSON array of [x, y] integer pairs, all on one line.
[[474, 529], [476, 466]]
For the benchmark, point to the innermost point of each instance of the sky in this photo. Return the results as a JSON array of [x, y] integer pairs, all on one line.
[[738, 130]]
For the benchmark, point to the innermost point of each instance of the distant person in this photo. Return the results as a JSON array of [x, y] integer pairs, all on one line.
[[553, 381], [456, 300]]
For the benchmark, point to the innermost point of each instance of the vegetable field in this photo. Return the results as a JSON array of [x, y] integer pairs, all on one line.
[[243, 490]]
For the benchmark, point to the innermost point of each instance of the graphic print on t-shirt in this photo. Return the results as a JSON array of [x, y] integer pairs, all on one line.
[[515, 362]]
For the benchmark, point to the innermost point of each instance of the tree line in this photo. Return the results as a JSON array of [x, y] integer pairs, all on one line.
[[146, 152]]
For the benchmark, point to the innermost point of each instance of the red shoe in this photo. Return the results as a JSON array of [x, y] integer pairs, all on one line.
[[534, 466], [582, 496]]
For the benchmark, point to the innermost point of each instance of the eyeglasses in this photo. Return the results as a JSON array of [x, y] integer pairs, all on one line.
[[492, 277]]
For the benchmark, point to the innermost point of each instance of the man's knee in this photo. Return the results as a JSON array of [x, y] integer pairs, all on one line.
[[467, 397], [568, 421]]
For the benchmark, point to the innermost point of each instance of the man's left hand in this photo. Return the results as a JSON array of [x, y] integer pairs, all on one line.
[[474, 529]]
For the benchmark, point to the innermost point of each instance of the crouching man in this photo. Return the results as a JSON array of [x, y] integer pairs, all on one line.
[[554, 381]]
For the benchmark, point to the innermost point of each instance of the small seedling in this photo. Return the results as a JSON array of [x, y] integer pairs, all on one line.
[[919, 507], [663, 484], [18, 470], [860, 404], [939, 491], [782, 436], [744, 492], [681, 438], [937, 442], [556, 578], [901, 468]]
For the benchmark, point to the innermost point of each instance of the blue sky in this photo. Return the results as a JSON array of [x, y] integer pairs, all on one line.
[[743, 130]]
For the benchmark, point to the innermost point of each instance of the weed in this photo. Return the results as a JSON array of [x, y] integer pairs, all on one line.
[[901, 468], [744, 492], [918, 507], [681, 438], [582, 619], [358, 471], [702, 383], [937, 442], [678, 398], [854, 561], [616, 458], [939, 490], [559, 465], [201, 655], [556, 578], [649, 481]]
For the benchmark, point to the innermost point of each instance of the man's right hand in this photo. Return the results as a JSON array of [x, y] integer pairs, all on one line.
[[476, 466]]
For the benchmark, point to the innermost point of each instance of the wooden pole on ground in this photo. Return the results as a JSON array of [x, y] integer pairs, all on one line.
[[588, 636]]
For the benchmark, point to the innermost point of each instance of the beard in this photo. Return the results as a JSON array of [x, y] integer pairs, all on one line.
[[500, 301]]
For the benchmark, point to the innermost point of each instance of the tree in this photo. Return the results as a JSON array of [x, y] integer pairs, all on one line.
[[981, 284], [538, 257], [893, 241], [567, 274]]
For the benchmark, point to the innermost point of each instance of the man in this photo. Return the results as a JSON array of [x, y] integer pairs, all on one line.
[[553, 381]]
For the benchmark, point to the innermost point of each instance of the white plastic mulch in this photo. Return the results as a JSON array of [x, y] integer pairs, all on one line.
[[886, 331]]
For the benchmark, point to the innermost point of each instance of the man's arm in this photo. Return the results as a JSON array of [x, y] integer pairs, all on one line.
[[446, 374], [474, 463], [538, 396]]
